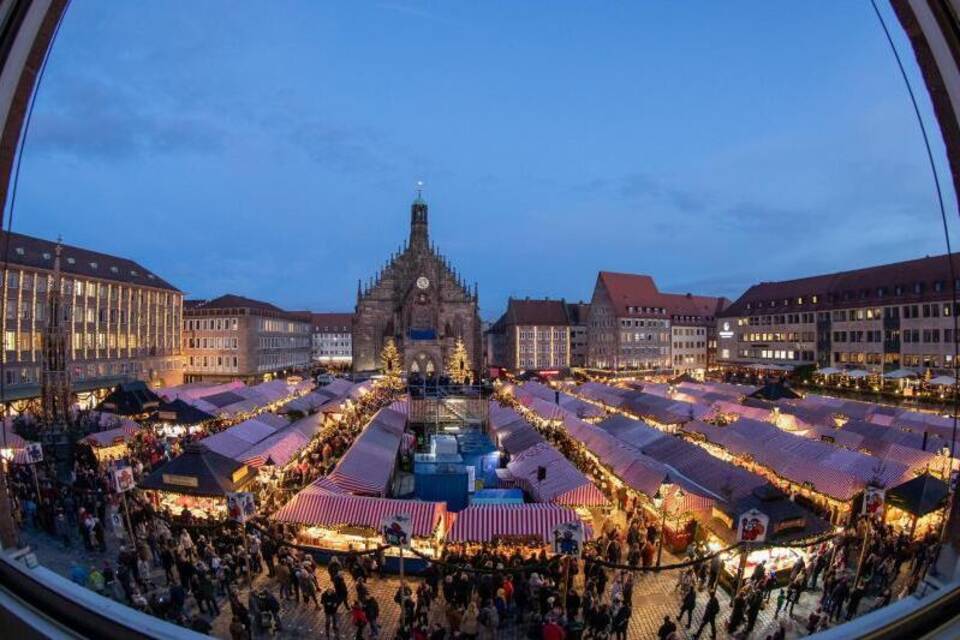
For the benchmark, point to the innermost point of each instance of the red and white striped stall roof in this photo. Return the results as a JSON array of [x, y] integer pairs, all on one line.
[[321, 509], [483, 523], [586, 495]]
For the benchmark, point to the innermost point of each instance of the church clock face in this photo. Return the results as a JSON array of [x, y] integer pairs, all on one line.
[[422, 283]]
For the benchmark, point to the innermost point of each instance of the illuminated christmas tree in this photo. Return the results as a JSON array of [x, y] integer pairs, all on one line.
[[458, 368], [390, 359]]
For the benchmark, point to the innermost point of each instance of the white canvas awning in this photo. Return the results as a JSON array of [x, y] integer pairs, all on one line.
[[829, 371], [900, 374], [946, 381], [857, 374]]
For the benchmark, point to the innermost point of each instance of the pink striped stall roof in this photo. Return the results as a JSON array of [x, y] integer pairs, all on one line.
[[483, 523], [326, 510]]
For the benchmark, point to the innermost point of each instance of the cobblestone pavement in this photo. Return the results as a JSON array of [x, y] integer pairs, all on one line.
[[654, 597]]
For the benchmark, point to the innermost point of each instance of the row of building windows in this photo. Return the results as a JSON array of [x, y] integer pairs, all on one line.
[[213, 343], [917, 288], [218, 363], [282, 342], [212, 324]]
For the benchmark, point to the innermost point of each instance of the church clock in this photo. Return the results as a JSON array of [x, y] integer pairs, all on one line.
[[422, 283]]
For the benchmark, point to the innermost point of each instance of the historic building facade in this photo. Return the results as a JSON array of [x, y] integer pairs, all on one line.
[[419, 301], [634, 326], [532, 335], [876, 319], [332, 339], [236, 338], [119, 322]]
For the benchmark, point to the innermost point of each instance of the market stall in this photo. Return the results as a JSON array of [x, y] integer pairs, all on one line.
[[333, 524], [528, 527], [786, 523], [176, 418], [197, 482], [916, 506], [111, 444]]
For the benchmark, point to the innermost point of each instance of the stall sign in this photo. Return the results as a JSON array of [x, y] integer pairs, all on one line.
[[34, 452], [123, 479], [725, 518], [568, 539], [790, 523], [241, 506], [239, 474], [397, 530], [180, 481], [753, 526], [873, 499], [167, 415]]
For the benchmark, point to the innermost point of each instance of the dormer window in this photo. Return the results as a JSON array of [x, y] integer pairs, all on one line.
[[71, 261], [20, 251], [150, 276], [133, 273], [115, 269], [93, 265], [46, 256]]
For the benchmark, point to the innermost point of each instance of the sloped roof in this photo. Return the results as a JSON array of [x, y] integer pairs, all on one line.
[[919, 496], [199, 471], [850, 288], [130, 398], [37, 253], [535, 312], [628, 291], [232, 301], [331, 322]]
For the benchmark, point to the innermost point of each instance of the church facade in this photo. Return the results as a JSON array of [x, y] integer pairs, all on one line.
[[419, 301]]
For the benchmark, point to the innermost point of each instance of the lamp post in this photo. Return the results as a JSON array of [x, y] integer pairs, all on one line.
[[659, 501]]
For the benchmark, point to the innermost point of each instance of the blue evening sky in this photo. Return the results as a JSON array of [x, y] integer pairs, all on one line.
[[271, 149]]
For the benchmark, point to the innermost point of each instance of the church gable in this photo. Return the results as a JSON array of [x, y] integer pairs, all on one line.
[[419, 301]]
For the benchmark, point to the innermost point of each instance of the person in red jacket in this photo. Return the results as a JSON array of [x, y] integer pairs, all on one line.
[[359, 618], [553, 631]]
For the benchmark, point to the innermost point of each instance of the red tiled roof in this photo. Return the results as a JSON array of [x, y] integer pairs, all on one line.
[[859, 287], [630, 291], [332, 322], [233, 301], [532, 312]]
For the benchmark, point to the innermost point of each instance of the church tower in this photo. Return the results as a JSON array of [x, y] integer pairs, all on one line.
[[418, 221], [419, 302], [54, 376]]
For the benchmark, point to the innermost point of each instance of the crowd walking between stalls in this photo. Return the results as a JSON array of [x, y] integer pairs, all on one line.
[[185, 569]]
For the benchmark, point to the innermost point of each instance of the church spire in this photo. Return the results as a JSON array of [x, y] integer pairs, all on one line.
[[418, 219]]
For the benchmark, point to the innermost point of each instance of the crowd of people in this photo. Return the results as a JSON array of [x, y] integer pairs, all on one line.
[[187, 570]]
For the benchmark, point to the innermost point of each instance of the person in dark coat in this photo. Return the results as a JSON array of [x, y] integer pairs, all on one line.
[[688, 604], [710, 616], [736, 616], [667, 628], [621, 621]]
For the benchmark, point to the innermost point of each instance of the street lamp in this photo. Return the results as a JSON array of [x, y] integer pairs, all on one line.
[[659, 501]]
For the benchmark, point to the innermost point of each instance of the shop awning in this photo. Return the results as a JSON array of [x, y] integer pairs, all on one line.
[[828, 371], [586, 495], [110, 437], [919, 496], [483, 523], [199, 471], [900, 374], [857, 374], [368, 465], [179, 412], [312, 508], [942, 381], [775, 391]]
